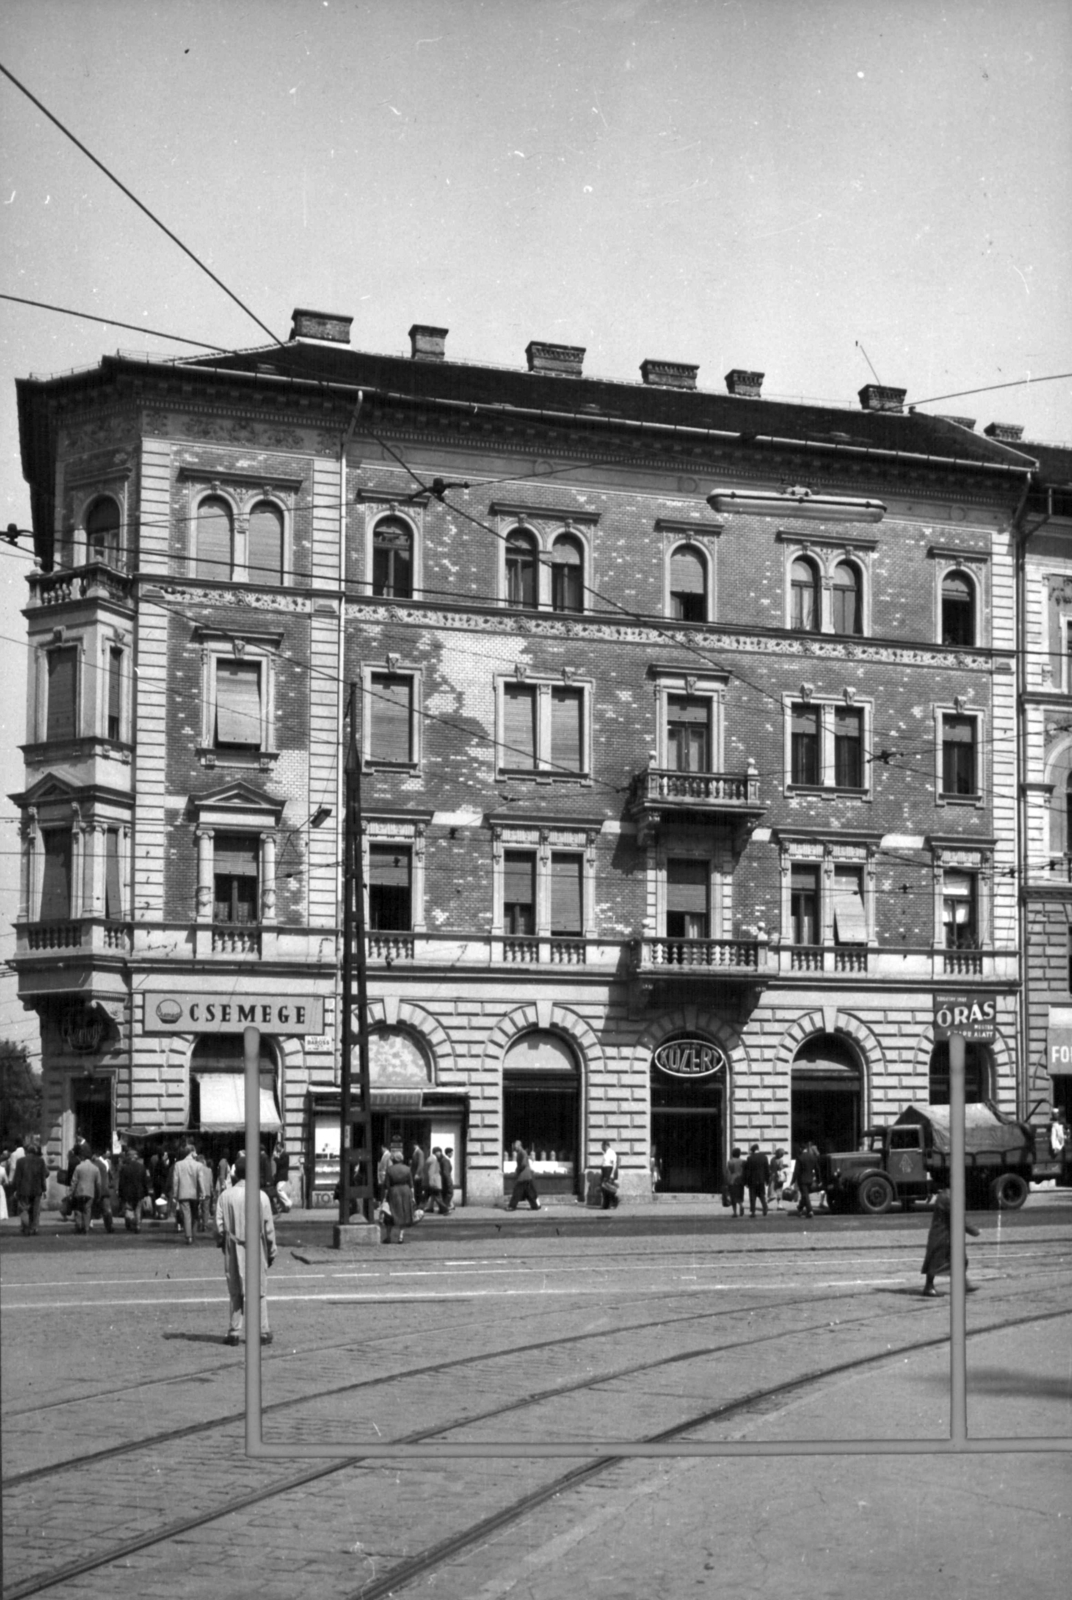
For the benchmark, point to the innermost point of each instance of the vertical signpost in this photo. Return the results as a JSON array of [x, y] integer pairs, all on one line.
[[959, 1018], [251, 1061], [355, 1144]]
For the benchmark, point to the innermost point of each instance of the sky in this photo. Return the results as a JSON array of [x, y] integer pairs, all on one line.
[[827, 191]]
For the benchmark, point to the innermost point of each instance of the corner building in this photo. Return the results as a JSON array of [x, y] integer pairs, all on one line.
[[688, 733]]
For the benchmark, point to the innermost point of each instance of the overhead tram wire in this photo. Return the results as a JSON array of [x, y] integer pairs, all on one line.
[[111, 322]]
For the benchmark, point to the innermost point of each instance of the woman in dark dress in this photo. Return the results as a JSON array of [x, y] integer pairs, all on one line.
[[398, 1205], [938, 1259]]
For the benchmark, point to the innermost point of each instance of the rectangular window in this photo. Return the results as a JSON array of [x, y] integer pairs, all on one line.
[[687, 899], [113, 895], [850, 920], [390, 887], [62, 720], [238, 705], [960, 911], [566, 730], [688, 733], [848, 748], [56, 875], [566, 895], [115, 692], [804, 767], [390, 719], [959, 766], [804, 904], [519, 727], [235, 868], [519, 892]]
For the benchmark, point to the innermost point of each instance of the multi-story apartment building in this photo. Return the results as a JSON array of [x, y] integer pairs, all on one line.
[[1046, 725], [688, 733]]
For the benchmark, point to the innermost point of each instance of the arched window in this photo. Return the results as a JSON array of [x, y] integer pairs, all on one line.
[[265, 560], [958, 609], [215, 528], [804, 597], [567, 574], [541, 1110], [520, 568], [688, 585], [102, 531], [392, 559], [826, 1091], [847, 599]]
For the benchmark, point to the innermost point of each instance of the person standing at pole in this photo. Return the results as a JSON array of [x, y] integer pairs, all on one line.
[[231, 1238], [938, 1260]]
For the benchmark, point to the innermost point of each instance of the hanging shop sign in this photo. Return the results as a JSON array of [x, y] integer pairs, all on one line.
[[198, 1012], [689, 1058], [972, 1016]]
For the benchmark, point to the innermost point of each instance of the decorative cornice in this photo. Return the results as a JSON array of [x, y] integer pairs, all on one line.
[[947, 552], [255, 480], [536, 513], [839, 541], [686, 529]]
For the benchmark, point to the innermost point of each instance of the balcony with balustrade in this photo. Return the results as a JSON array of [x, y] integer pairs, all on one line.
[[71, 585], [661, 795]]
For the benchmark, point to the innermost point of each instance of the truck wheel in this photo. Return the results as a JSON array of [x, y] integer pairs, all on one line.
[[1008, 1192], [875, 1194]]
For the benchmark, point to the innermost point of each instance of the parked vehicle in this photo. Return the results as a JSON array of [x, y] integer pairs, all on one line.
[[909, 1161]]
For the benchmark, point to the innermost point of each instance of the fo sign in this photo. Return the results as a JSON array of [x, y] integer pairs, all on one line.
[[689, 1058], [972, 1016]]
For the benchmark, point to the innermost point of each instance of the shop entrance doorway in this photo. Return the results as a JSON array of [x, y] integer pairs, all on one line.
[[826, 1095], [686, 1132], [91, 1103], [542, 1111]]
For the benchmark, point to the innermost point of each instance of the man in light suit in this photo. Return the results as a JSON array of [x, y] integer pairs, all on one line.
[[184, 1190], [231, 1238]]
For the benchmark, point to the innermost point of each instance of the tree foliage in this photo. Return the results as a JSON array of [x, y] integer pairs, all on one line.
[[20, 1095]]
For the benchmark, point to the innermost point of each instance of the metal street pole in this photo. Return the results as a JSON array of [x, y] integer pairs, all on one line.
[[958, 1391], [355, 1142]]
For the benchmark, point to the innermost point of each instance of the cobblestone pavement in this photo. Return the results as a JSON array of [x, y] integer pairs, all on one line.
[[123, 1415]]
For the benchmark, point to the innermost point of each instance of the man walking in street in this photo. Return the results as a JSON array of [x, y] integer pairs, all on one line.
[[29, 1182], [756, 1178], [132, 1188], [85, 1191], [608, 1177], [184, 1190], [807, 1178], [231, 1238], [524, 1180]]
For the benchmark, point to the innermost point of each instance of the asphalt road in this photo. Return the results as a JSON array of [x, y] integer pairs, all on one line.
[[123, 1413]]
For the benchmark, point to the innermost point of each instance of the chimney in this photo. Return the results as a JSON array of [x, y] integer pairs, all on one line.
[[555, 360], [744, 383], [428, 344], [874, 397], [668, 374], [1007, 432], [320, 325]]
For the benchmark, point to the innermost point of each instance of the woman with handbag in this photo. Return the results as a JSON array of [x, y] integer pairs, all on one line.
[[397, 1209]]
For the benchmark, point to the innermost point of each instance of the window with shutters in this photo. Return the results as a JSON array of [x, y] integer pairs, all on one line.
[[567, 894], [688, 888], [56, 874], [390, 887], [62, 721], [828, 745], [521, 580], [391, 720], [804, 593], [850, 917], [688, 733], [239, 720], [567, 574], [958, 609], [543, 729], [236, 878], [102, 531], [805, 926], [264, 544], [214, 529], [392, 559], [688, 585], [519, 892], [959, 757]]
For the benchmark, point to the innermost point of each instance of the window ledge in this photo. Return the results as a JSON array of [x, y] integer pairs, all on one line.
[[372, 765], [959, 799], [261, 760], [827, 791], [541, 775]]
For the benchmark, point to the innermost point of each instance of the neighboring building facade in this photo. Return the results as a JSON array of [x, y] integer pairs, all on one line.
[[688, 727], [1047, 769]]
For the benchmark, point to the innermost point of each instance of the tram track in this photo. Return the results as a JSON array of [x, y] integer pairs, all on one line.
[[435, 1554]]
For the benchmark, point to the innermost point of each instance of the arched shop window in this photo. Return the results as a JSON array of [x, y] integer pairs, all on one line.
[[217, 1090], [688, 1085], [826, 1094], [976, 1073], [542, 1109]]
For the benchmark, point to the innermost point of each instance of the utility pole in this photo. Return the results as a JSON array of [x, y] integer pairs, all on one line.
[[356, 1164]]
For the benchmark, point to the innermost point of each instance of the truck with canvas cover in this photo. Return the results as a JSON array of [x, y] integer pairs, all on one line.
[[909, 1161]]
